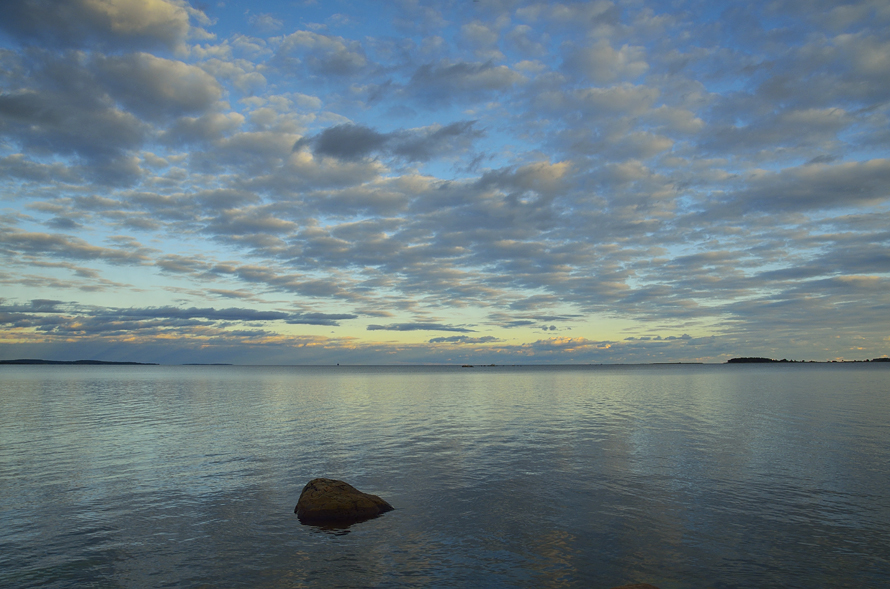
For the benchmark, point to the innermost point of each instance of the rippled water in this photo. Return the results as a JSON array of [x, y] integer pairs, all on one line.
[[680, 476]]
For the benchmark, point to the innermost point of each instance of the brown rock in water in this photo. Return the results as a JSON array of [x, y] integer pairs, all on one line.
[[331, 501], [637, 586]]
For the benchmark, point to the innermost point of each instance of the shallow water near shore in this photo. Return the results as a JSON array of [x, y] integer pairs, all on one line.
[[679, 476]]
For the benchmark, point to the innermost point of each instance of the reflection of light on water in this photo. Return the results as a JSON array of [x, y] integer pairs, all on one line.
[[583, 477], [331, 530], [555, 562]]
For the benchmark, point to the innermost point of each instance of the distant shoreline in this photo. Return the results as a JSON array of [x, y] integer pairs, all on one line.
[[38, 361], [746, 360], [785, 361]]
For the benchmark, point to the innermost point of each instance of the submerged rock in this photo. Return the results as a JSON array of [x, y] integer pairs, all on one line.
[[331, 501]]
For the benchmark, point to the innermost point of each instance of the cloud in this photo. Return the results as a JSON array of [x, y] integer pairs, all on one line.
[[45, 306], [622, 99], [569, 345], [18, 166], [614, 169], [426, 143], [579, 14], [445, 81], [265, 22], [56, 123], [319, 318], [112, 23], [508, 321], [209, 127], [34, 306], [817, 187], [534, 302], [153, 319], [349, 142], [788, 129], [521, 38], [353, 142], [15, 242], [517, 323], [601, 63], [231, 294], [323, 55], [151, 86], [230, 314], [462, 339], [417, 327], [63, 109]]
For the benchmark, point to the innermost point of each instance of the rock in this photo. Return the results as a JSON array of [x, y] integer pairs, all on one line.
[[331, 501], [637, 586]]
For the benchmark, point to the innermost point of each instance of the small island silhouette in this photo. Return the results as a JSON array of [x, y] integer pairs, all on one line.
[[757, 360]]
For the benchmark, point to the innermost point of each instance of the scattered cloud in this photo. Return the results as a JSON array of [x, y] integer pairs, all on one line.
[[106, 23], [582, 182], [417, 327], [462, 339], [353, 142]]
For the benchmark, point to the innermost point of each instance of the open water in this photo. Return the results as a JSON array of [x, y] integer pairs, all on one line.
[[679, 476]]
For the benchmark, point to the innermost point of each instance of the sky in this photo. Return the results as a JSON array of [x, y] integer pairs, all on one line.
[[444, 182]]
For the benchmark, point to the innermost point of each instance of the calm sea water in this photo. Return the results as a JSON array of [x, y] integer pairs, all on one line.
[[679, 476]]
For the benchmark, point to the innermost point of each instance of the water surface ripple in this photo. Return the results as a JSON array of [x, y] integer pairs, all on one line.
[[679, 476]]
